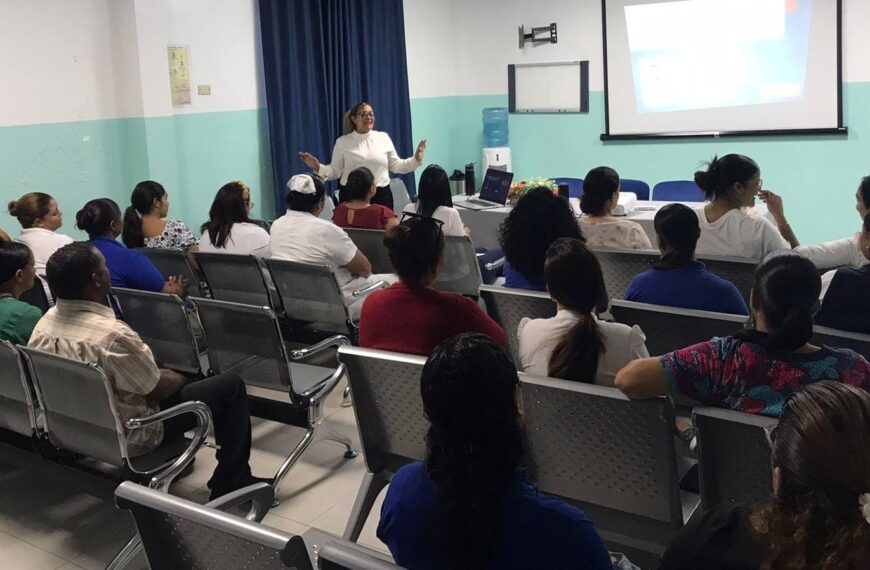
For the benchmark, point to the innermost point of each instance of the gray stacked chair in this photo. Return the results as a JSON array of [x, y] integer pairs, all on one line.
[[401, 198], [36, 296], [508, 307], [389, 415], [733, 456], [461, 270], [247, 340], [612, 457], [172, 262], [834, 338], [237, 279], [371, 243], [671, 328], [18, 410], [163, 323]]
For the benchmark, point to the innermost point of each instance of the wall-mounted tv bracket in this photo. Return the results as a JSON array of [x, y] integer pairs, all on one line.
[[536, 36]]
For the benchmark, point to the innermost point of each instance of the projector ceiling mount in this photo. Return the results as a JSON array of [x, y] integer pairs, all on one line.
[[536, 35]]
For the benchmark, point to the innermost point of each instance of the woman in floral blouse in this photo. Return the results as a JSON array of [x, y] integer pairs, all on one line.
[[145, 223], [756, 369], [602, 229]]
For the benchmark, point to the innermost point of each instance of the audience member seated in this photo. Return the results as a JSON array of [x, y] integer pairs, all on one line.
[[678, 280], [846, 305], [434, 200], [17, 274], [299, 235], [467, 505], [756, 369], [130, 269], [600, 228], [40, 218], [538, 219], [358, 211], [229, 228], [574, 344], [819, 516], [145, 223], [82, 327], [411, 316], [731, 184]]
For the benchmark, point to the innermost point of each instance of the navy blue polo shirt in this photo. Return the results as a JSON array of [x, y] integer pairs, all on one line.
[[846, 305], [689, 286], [129, 268], [513, 279]]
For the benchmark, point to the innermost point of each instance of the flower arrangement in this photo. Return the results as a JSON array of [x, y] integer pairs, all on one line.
[[519, 189]]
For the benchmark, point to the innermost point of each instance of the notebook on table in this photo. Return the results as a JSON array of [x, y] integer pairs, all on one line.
[[493, 192]]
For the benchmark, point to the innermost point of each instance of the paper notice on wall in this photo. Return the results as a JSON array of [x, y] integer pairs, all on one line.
[[179, 75]]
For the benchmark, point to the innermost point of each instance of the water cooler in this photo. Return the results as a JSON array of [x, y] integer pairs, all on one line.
[[496, 152]]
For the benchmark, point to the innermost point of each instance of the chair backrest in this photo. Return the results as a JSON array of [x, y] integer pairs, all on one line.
[[733, 456], [310, 293], [177, 533], [677, 191], [834, 338], [508, 307], [170, 262], [461, 271], [575, 185], [163, 323], [78, 406], [670, 328], [245, 340], [237, 279], [371, 243], [337, 554], [36, 295], [637, 187], [611, 456], [401, 198], [387, 405], [740, 272], [17, 401]]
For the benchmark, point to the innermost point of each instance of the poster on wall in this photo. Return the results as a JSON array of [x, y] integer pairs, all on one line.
[[179, 75]]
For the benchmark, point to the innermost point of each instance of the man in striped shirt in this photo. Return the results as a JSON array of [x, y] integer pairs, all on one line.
[[81, 327]]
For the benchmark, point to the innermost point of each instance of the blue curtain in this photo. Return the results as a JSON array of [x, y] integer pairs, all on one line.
[[321, 57]]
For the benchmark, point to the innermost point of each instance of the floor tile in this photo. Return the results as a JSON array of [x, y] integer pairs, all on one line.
[[15, 553], [335, 521]]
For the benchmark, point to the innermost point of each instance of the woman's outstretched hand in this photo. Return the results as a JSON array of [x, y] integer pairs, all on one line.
[[421, 150], [310, 161]]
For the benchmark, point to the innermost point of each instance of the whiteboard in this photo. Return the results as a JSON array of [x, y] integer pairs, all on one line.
[[559, 87]]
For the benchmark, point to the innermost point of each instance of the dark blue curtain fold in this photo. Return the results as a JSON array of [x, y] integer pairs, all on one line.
[[320, 57]]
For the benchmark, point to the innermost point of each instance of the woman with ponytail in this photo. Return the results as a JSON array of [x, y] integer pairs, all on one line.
[[145, 223], [678, 279], [756, 369], [467, 506], [575, 345]]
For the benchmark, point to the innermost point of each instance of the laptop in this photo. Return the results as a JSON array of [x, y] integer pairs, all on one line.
[[493, 192]]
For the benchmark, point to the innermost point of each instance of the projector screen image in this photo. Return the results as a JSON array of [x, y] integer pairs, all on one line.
[[709, 66]]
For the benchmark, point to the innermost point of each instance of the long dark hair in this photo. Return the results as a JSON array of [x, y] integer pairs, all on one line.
[[359, 183], [230, 207], [142, 201], [473, 446], [864, 189], [416, 247], [821, 446], [433, 191], [723, 173], [96, 217], [575, 281], [599, 186], [677, 227], [14, 257], [786, 290]]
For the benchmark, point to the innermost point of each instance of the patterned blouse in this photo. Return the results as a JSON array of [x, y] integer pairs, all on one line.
[[622, 234], [728, 372], [176, 235]]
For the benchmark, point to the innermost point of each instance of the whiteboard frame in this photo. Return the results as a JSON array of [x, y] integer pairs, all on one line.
[[584, 87]]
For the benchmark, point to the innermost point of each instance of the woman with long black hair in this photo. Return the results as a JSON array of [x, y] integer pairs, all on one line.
[[434, 200], [229, 228], [467, 505]]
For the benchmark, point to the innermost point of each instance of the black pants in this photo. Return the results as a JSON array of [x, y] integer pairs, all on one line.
[[384, 196], [227, 399]]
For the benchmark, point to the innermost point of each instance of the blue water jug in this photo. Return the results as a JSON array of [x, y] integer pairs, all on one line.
[[495, 127]]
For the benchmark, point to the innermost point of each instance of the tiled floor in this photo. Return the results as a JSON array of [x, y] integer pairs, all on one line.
[[57, 517]]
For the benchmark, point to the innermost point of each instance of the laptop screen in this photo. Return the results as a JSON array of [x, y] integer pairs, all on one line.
[[496, 184]]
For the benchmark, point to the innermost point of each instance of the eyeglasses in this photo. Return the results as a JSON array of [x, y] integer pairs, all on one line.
[[366, 114]]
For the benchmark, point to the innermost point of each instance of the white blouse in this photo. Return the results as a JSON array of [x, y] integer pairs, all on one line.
[[450, 216], [737, 234], [245, 239], [832, 254], [42, 244], [374, 150], [538, 337]]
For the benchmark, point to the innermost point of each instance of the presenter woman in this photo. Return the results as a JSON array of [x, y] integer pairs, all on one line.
[[361, 145]]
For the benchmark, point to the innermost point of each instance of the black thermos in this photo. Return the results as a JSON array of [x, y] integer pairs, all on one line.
[[470, 188]]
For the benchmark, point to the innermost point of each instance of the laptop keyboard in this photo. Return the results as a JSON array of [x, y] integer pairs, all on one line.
[[481, 202]]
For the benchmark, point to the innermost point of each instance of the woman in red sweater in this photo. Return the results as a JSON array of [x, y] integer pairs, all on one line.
[[410, 316], [358, 211]]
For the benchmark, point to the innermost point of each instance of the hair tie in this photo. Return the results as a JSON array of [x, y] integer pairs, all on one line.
[[864, 506], [302, 183]]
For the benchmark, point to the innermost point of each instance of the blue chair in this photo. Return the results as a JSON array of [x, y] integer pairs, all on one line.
[[575, 186], [677, 191], [638, 187]]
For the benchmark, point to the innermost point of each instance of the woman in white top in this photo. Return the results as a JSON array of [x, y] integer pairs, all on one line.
[[574, 344], [361, 145], [229, 228], [300, 235], [40, 218], [434, 201], [731, 184], [600, 228]]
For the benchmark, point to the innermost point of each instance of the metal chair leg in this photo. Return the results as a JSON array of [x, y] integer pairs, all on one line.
[[294, 456], [329, 434], [371, 485], [126, 555], [346, 402]]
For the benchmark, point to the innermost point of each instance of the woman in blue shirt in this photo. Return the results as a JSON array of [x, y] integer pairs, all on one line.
[[846, 305], [678, 279], [467, 506]]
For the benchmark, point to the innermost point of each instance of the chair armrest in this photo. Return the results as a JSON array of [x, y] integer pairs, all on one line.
[[369, 288], [337, 340], [495, 264], [323, 391], [260, 495], [162, 478]]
